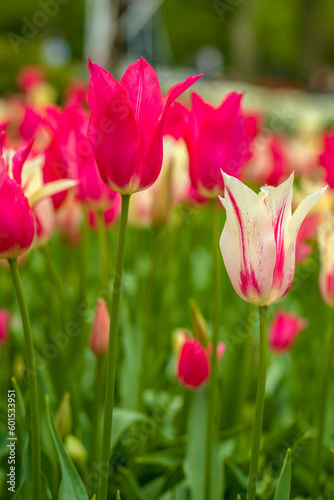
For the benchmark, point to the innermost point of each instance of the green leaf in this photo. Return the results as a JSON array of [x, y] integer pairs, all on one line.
[[131, 487], [194, 464], [284, 481], [118, 495], [122, 420], [71, 485]]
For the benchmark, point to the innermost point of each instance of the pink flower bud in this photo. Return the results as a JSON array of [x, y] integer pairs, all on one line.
[[284, 330], [99, 335], [4, 325], [193, 368]]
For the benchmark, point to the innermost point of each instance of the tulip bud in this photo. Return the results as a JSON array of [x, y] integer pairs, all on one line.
[[193, 367], [4, 325], [63, 419], [99, 336], [76, 450], [200, 326], [284, 330]]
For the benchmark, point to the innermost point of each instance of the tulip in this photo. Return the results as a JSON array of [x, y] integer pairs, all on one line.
[[258, 242], [99, 335], [217, 140], [327, 159], [270, 162], [126, 124], [4, 325], [326, 248], [258, 246], [326, 285], [125, 131], [284, 330], [193, 368]]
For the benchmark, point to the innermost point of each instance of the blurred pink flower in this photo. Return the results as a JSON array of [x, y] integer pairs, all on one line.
[[326, 159], [217, 140], [284, 330], [307, 231], [4, 325]]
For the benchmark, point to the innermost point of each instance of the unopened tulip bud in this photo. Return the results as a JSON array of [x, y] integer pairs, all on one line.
[[193, 367], [76, 450], [4, 325], [179, 337], [284, 330], [200, 326], [99, 336], [63, 419]]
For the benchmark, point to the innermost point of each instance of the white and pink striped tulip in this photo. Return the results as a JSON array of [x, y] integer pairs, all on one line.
[[258, 242]]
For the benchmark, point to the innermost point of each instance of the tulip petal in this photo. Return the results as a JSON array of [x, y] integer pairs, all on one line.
[[142, 88], [292, 229], [50, 189], [18, 160], [153, 161], [247, 242], [278, 203], [112, 125]]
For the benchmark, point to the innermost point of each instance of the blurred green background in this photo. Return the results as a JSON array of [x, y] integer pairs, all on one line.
[[276, 42]]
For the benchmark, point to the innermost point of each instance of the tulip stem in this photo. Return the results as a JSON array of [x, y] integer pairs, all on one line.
[[322, 412], [32, 381], [96, 420], [260, 396], [211, 406], [103, 252], [112, 351]]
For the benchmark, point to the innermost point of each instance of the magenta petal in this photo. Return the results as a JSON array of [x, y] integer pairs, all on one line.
[[112, 129], [16, 220], [154, 156], [18, 160], [142, 88]]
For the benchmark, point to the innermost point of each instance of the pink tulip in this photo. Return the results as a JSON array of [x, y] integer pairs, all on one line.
[[327, 159], [284, 330], [99, 335], [4, 325], [216, 139], [258, 242], [16, 217], [193, 368], [326, 249], [126, 124]]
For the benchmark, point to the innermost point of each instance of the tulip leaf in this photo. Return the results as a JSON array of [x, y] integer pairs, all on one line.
[[71, 485], [122, 420], [194, 463], [284, 481], [134, 491]]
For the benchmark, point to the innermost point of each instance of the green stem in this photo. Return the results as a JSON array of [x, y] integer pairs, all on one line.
[[211, 408], [322, 412], [149, 309], [103, 253], [112, 350], [32, 381], [96, 420], [260, 396]]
